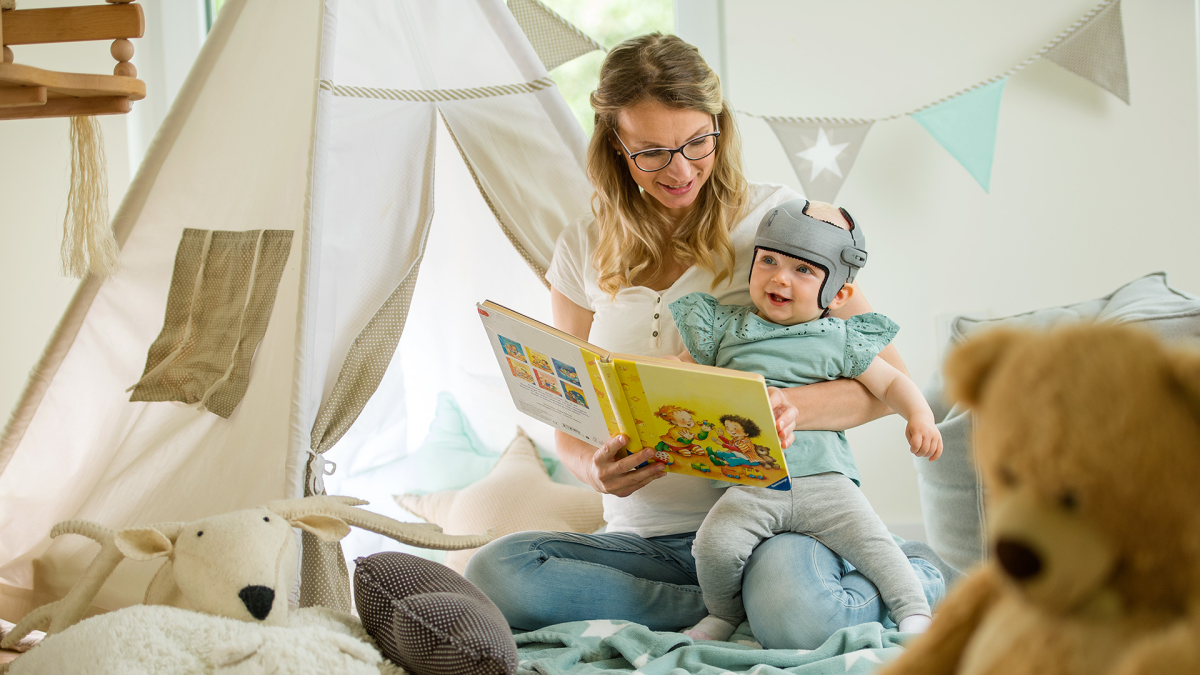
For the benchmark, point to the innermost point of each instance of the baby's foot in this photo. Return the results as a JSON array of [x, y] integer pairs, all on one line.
[[711, 628], [914, 623]]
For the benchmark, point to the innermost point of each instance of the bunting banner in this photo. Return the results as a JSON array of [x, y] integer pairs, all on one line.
[[1096, 50], [966, 127], [555, 39], [821, 150]]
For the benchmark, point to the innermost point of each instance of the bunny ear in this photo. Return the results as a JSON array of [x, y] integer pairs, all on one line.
[[144, 543], [969, 366], [326, 528]]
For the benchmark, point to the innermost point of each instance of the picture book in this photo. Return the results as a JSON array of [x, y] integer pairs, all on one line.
[[701, 421]]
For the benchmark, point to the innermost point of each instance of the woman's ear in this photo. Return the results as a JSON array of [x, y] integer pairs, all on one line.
[[843, 296]]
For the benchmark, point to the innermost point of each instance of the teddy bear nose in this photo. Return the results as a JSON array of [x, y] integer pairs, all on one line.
[[258, 600], [1018, 559]]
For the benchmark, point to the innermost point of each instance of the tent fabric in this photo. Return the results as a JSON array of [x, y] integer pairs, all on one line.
[[256, 141], [554, 39]]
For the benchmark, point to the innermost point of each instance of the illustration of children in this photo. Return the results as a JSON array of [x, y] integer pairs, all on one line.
[[567, 372], [540, 360], [520, 370], [679, 438], [547, 382], [740, 431], [574, 395], [511, 348]]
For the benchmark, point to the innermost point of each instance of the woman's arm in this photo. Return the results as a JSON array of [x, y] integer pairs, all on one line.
[[842, 404], [598, 467]]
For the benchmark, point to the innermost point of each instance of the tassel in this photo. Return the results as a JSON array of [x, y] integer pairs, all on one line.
[[88, 246]]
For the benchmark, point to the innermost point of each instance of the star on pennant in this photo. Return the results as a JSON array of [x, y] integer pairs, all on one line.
[[603, 628], [823, 155], [867, 654]]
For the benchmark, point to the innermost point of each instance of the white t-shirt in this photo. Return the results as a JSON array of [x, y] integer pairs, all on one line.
[[637, 321]]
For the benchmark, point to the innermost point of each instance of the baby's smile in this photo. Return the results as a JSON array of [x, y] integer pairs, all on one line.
[[778, 300]]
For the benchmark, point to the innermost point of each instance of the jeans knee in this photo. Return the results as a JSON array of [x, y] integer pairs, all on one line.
[[496, 569]]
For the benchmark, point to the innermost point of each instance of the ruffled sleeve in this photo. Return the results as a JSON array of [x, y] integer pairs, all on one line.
[[695, 316], [866, 336]]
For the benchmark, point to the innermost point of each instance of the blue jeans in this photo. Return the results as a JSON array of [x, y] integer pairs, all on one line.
[[797, 592]]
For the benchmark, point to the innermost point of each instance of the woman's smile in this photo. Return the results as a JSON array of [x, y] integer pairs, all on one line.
[[678, 189]]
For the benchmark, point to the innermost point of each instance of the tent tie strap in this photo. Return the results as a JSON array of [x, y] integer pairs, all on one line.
[[318, 468]]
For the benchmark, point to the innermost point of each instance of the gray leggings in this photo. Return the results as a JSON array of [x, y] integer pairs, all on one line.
[[828, 507]]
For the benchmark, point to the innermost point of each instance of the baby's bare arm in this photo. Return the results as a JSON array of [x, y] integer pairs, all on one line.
[[902, 395]]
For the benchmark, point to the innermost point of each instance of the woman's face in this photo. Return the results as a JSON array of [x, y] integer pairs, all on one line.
[[651, 124]]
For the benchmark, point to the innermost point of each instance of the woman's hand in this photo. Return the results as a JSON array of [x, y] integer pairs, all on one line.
[[621, 477], [785, 416]]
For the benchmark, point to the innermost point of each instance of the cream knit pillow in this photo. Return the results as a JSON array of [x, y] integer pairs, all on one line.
[[517, 495]]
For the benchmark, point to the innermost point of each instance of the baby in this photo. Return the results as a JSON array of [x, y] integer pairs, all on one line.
[[805, 256]]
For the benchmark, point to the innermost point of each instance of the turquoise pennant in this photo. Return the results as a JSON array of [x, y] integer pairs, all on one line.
[[966, 127]]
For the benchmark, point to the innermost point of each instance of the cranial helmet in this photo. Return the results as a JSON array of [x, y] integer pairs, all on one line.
[[789, 230]]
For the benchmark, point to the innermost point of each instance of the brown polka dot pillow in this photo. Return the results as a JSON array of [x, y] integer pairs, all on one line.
[[429, 619]]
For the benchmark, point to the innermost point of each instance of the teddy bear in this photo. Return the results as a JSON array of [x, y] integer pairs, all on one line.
[[1088, 440]]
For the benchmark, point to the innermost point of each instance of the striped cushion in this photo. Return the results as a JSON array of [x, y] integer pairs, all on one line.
[[429, 619]]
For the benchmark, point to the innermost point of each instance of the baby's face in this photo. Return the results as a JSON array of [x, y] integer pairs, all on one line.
[[785, 289]]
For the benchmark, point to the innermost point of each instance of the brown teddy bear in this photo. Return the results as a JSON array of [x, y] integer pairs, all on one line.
[[1088, 438]]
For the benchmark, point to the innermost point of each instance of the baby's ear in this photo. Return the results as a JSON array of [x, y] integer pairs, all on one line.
[[843, 296], [970, 365]]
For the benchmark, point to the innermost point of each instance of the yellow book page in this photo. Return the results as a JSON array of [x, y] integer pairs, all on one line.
[[592, 362], [705, 424]]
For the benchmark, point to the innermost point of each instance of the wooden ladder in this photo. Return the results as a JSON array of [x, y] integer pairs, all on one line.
[[27, 92]]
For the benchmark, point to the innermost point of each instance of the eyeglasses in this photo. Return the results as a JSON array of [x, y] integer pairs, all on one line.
[[657, 159]]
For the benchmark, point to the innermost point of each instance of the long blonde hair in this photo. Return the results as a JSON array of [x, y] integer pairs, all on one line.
[[634, 237]]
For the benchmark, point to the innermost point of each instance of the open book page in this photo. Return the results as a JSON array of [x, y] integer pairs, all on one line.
[[707, 422], [548, 375]]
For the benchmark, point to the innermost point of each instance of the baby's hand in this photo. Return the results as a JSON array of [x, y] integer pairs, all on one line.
[[924, 439], [672, 357]]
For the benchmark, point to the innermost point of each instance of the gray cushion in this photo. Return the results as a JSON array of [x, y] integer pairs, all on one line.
[[429, 619], [951, 496]]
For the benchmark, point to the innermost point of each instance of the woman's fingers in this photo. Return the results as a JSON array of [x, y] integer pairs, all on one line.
[[622, 476], [785, 415]]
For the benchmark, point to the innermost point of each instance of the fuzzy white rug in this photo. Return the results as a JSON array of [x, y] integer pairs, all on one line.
[[168, 641]]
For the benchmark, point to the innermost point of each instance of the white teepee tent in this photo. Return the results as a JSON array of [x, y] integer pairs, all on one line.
[[305, 136]]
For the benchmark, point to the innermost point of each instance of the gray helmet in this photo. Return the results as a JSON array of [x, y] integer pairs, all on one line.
[[788, 229]]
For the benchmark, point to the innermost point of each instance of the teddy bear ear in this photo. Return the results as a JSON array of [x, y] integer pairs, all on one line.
[[970, 365], [143, 543], [326, 528]]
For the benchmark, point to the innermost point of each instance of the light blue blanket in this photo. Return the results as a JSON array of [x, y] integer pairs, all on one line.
[[610, 647]]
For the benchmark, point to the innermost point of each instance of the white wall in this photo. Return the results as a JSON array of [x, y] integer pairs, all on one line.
[[35, 171], [1086, 194]]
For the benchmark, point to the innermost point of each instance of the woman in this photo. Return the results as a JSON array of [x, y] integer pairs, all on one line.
[[673, 214]]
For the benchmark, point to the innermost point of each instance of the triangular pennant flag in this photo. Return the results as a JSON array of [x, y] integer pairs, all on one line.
[[1096, 51], [966, 127], [554, 39], [821, 151]]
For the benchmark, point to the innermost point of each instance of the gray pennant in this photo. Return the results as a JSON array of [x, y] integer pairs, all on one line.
[[1096, 51], [555, 39], [821, 151]]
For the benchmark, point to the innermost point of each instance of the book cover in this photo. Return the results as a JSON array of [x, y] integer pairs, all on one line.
[[701, 421]]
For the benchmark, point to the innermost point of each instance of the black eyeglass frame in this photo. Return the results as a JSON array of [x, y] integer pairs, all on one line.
[[634, 155]]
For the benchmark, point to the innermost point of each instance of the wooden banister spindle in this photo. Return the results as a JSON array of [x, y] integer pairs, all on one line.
[[122, 51]]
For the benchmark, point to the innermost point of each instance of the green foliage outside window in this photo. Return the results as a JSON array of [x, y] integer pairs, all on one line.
[[609, 22]]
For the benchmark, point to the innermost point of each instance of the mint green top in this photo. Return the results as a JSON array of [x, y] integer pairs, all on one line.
[[734, 336]]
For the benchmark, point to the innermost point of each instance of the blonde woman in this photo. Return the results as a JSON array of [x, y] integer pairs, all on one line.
[[673, 214]]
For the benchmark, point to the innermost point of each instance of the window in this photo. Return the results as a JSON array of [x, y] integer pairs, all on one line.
[[608, 23]]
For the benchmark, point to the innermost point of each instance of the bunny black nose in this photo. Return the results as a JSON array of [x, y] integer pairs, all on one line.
[[258, 600], [1017, 559]]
